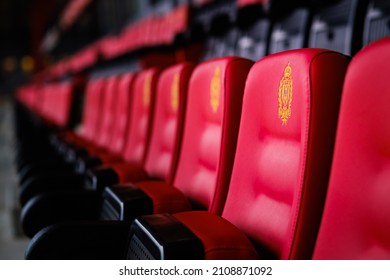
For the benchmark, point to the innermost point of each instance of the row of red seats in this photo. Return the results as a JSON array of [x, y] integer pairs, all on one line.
[[155, 30], [272, 205], [52, 102], [251, 29], [125, 148]]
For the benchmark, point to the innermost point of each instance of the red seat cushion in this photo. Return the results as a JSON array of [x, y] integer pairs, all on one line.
[[218, 246], [165, 198], [126, 171]]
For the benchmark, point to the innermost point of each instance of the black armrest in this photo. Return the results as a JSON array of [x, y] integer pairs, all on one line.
[[125, 203], [72, 153], [80, 240], [98, 178], [49, 208], [85, 163], [50, 182], [162, 237]]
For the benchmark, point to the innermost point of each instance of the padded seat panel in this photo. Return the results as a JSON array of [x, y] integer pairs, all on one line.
[[218, 243], [356, 221]]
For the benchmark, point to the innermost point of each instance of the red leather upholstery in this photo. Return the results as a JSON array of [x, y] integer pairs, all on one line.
[[165, 143], [103, 130], [217, 246], [283, 156], [356, 221], [209, 140], [165, 198], [27, 94], [115, 122], [120, 114], [64, 100], [141, 115], [56, 103], [107, 112], [168, 122], [210, 135], [90, 121], [46, 102], [93, 103], [140, 125], [124, 98], [242, 3]]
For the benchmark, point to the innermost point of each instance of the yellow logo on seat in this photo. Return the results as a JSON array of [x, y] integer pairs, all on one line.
[[175, 92], [147, 89], [285, 95], [215, 90]]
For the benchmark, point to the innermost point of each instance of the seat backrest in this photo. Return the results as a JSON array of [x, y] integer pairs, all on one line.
[[141, 116], [165, 142], [60, 103], [46, 101], [210, 131], [122, 112], [26, 94], [92, 107], [356, 220], [377, 24], [55, 101], [284, 150], [338, 26], [109, 99], [46, 94]]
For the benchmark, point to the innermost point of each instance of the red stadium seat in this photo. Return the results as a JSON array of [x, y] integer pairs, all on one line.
[[157, 136], [355, 224]]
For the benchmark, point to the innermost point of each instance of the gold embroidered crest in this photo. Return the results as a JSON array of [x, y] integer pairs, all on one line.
[[175, 92], [147, 89], [285, 95], [215, 90]]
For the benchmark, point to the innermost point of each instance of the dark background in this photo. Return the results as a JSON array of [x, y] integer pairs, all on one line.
[[26, 24]]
